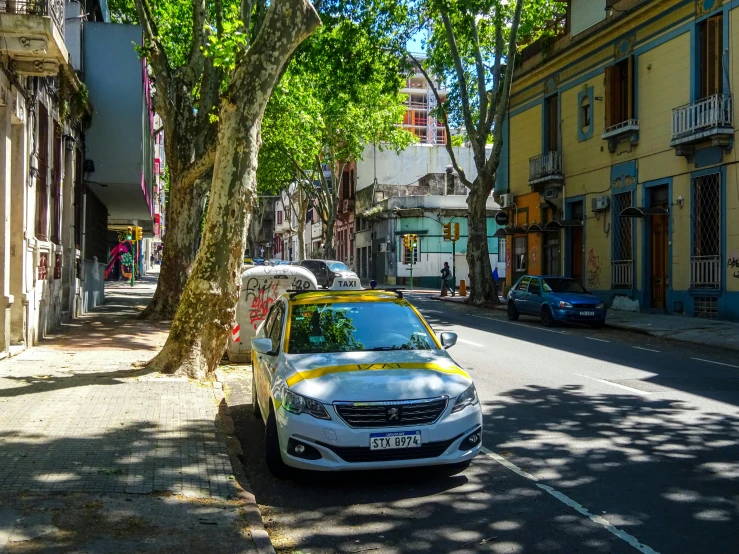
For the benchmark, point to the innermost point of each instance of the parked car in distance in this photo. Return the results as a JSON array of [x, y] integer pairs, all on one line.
[[555, 300], [258, 261], [328, 270]]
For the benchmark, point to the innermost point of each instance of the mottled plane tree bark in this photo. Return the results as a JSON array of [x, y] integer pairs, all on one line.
[[206, 311]]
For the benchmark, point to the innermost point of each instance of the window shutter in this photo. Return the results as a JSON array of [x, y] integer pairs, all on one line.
[[630, 90], [712, 57], [609, 96]]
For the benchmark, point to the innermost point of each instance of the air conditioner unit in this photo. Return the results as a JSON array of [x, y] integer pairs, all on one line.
[[551, 194], [506, 201], [599, 203]]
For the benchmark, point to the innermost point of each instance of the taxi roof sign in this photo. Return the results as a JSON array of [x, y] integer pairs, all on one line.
[[341, 283]]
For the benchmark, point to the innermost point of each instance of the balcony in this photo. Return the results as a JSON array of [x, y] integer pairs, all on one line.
[[33, 36], [626, 130], [707, 119], [546, 170]]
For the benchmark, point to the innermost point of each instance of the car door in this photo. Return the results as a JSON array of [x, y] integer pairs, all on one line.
[[520, 295], [322, 273], [533, 296], [267, 363]]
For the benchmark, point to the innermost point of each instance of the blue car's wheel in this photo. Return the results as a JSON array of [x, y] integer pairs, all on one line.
[[546, 317], [512, 311]]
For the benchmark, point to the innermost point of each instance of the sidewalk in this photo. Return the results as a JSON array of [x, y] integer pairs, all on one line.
[[98, 454]]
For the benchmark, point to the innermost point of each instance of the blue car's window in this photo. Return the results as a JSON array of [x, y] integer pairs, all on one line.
[[355, 327], [523, 284], [563, 285], [337, 266], [534, 286]]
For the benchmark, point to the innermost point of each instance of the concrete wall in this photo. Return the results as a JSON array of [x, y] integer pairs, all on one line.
[[73, 33], [407, 167]]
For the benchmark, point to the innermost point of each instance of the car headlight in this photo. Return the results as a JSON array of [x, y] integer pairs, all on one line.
[[298, 404], [601, 306], [563, 304], [467, 398]]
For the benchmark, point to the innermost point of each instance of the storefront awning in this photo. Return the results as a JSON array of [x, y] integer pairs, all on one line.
[[500, 233], [564, 224], [643, 212], [516, 230], [534, 228]]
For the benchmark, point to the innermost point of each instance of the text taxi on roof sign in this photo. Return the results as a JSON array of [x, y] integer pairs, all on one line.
[[347, 284]]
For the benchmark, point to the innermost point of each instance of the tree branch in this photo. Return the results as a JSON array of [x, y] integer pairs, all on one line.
[[497, 88], [440, 104], [481, 88], [199, 166], [192, 70], [463, 92], [502, 107]]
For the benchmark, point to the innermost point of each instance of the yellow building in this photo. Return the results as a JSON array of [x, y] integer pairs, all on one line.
[[619, 165]]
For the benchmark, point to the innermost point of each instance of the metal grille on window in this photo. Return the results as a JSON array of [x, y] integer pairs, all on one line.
[[407, 254], [706, 306], [705, 264], [622, 263], [519, 249]]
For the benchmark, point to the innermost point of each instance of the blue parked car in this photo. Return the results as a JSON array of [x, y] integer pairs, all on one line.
[[554, 300]]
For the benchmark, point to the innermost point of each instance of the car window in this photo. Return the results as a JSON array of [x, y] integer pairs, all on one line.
[[309, 265], [534, 286], [563, 285], [353, 327], [337, 266], [275, 331], [269, 320], [523, 284]]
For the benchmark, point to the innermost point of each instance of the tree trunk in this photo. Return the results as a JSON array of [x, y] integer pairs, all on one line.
[[478, 254], [184, 212], [205, 315], [303, 201], [328, 250]]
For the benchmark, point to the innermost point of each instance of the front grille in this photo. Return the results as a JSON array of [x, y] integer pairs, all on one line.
[[358, 454], [391, 414], [585, 306]]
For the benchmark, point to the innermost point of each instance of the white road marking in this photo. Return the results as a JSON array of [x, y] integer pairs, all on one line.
[[425, 310], [519, 324], [712, 362], [647, 349], [617, 385], [603, 522], [599, 340], [468, 342]]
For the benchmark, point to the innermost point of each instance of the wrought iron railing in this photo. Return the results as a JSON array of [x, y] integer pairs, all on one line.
[[49, 8], [705, 272], [622, 272], [545, 165], [625, 126], [706, 113]]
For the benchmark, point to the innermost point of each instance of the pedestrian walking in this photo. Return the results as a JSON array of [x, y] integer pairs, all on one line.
[[446, 275], [495, 281]]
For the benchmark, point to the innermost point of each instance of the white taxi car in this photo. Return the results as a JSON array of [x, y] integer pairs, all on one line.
[[356, 379]]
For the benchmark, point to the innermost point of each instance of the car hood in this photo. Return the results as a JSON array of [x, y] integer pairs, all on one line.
[[576, 298], [374, 376]]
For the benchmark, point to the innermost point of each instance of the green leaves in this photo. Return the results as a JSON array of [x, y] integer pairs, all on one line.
[[224, 47]]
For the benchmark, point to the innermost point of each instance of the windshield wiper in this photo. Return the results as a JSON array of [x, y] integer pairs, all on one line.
[[378, 348]]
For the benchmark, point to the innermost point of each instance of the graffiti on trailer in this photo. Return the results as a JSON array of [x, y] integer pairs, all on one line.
[[593, 269], [262, 295]]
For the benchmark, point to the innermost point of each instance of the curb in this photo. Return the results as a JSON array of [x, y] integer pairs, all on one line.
[[252, 515]]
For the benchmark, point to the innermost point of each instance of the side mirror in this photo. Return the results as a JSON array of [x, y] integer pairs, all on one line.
[[448, 340], [263, 346]]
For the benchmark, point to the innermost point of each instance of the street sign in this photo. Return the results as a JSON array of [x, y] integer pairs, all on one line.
[[501, 218]]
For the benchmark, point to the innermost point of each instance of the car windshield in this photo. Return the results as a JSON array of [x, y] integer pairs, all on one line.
[[337, 266], [353, 327], [563, 285]]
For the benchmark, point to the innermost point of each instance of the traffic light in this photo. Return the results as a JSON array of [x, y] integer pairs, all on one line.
[[140, 233], [447, 231], [414, 240], [129, 232], [456, 231], [407, 241]]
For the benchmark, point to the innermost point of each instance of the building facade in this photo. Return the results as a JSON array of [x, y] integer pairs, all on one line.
[[619, 160]]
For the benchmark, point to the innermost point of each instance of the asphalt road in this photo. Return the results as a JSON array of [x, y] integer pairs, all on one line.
[[597, 441]]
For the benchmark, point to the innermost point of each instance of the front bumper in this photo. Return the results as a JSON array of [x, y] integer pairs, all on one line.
[[343, 448], [574, 315]]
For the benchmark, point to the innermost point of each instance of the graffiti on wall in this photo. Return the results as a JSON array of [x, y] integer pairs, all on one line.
[[120, 261], [593, 267], [260, 295], [732, 262]]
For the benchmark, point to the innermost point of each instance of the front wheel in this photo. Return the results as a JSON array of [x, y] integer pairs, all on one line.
[[546, 317], [512, 311], [277, 467]]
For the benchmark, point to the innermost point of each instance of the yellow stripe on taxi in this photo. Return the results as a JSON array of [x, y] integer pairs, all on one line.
[[321, 371]]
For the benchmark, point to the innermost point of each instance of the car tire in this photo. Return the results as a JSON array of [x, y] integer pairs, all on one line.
[[547, 318], [275, 464], [599, 324], [512, 311], [254, 398]]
